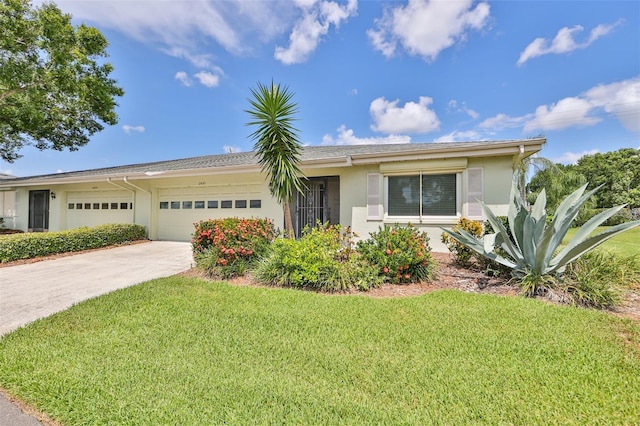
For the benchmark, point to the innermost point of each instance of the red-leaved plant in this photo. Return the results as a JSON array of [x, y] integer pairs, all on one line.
[[226, 246]]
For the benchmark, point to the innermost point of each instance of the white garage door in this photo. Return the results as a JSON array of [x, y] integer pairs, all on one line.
[[92, 208], [180, 208]]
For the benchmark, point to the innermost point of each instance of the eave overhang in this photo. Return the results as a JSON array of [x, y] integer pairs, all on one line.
[[515, 147]]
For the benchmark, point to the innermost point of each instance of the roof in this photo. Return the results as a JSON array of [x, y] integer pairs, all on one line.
[[312, 156]]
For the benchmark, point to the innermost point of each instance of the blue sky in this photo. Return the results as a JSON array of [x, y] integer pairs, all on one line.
[[362, 72]]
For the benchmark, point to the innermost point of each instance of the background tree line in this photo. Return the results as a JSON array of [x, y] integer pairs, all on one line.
[[617, 171]]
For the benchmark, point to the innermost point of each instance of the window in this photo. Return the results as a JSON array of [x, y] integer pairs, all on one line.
[[96, 206], [124, 206], [114, 206], [175, 205], [226, 204], [78, 206], [241, 204], [423, 195], [187, 204], [105, 206], [199, 204], [87, 206], [255, 204], [164, 205], [71, 206], [212, 204]]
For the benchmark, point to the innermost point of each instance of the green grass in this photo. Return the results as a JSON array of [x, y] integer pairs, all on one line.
[[624, 244], [189, 352]]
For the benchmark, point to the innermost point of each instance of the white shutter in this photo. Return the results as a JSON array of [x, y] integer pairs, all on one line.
[[475, 186], [374, 199]]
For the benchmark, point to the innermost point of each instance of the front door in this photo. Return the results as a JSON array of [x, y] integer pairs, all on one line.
[[39, 210], [319, 202]]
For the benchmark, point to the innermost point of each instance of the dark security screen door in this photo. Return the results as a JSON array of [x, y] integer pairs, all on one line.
[[39, 210]]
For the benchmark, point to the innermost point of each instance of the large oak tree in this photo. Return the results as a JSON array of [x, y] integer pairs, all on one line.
[[55, 86]]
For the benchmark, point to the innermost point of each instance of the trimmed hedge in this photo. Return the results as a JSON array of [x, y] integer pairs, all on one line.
[[35, 244]]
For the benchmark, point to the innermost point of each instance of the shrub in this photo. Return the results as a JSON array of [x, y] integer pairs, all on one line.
[[401, 254], [35, 244], [462, 253], [322, 259], [595, 279], [227, 247]]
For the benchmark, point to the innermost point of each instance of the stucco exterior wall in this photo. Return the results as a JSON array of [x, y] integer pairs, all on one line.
[[498, 174], [169, 206]]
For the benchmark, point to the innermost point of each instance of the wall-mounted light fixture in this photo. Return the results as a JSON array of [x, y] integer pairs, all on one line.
[[53, 195]]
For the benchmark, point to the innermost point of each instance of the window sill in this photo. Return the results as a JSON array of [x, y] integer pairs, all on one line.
[[424, 220]]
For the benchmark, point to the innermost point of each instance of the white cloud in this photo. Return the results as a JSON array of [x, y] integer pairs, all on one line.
[[573, 157], [425, 28], [346, 137], [502, 121], [410, 118], [200, 60], [128, 129], [311, 27], [175, 24], [620, 99], [567, 112], [453, 105], [183, 78], [207, 79], [191, 30], [564, 41], [456, 136], [229, 149]]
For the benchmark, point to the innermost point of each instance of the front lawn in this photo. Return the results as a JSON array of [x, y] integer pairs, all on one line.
[[624, 244], [185, 351]]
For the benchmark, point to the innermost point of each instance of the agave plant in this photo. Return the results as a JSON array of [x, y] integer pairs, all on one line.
[[534, 250]]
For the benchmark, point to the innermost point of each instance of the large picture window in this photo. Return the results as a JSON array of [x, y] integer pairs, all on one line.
[[423, 195]]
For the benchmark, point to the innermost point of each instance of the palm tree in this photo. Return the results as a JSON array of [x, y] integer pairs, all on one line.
[[522, 168], [276, 143]]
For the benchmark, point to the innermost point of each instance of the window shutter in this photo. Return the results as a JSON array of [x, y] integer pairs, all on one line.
[[374, 204], [475, 186]]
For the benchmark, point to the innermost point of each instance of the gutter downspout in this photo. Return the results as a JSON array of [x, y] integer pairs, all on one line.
[[133, 213], [519, 157], [521, 185], [135, 204]]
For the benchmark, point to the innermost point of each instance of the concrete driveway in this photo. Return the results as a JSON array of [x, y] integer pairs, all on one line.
[[36, 290]]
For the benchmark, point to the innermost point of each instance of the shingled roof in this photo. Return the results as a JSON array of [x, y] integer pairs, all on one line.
[[310, 155]]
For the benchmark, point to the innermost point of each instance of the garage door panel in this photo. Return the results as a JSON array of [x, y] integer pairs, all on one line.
[[180, 208], [93, 208]]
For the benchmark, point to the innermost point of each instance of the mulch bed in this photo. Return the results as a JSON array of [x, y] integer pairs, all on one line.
[[450, 276], [455, 277]]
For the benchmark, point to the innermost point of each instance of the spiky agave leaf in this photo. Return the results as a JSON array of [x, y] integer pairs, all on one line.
[[534, 241], [582, 243], [483, 246]]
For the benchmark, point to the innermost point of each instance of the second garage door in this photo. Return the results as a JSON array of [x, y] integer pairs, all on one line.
[[180, 208]]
